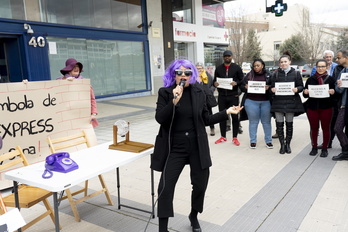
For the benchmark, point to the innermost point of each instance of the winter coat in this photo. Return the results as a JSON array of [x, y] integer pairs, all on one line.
[[287, 103], [201, 118]]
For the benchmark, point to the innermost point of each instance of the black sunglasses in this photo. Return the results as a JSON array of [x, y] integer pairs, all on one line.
[[186, 72]]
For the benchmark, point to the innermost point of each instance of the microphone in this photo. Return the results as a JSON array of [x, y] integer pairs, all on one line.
[[181, 84]]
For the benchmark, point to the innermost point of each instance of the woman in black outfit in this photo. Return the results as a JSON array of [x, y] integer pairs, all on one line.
[[319, 110], [286, 106], [182, 139]]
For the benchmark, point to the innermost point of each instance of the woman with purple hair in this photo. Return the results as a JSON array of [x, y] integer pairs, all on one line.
[[182, 139]]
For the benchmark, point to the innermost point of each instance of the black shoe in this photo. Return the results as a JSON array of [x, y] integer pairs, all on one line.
[[330, 144], [341, 156], [195, 224], [314, 151], [287, 148], [240, 130], [282, 149], [324, 153], [275, 136]]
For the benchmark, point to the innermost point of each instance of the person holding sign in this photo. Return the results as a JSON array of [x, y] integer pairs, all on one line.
[[182, 139], [227, 79], [286, 84], [257, 102], [72, 71], [342, 117], [318, 89]]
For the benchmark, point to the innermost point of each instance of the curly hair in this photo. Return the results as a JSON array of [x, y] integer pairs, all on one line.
[[169, 75]]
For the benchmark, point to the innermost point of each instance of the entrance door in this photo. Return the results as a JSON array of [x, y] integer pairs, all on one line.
[[11, 65]]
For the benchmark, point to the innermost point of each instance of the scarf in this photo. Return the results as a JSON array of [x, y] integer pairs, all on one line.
[[320, 77], [204, 77]]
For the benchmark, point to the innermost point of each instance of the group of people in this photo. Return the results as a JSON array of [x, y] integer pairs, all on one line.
[[183, 112]]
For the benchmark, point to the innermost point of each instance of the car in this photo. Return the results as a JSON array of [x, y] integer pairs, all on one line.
[[271, 69], [306, 70], [246, 67], [297, 68]]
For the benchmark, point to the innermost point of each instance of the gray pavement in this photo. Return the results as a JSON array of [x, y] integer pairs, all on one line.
[[249, 189]]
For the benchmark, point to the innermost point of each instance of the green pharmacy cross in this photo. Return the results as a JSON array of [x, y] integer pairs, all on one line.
[[278, 8]]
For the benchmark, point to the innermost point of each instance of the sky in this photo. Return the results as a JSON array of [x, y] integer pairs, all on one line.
[[322, 11]]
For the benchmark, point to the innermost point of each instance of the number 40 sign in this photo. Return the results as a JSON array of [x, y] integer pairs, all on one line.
[[39, 41]]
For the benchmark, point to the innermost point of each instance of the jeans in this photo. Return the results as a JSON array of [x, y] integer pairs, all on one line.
[[259, 110]]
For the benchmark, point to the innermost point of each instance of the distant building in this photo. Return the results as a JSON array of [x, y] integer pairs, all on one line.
[[273, 31]]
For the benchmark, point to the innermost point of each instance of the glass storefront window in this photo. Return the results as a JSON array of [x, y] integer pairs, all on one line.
[[113, 67], [213, 56], [180, 50], [112, 14], [182, 11]]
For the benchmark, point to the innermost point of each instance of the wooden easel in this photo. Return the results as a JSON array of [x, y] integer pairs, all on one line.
[[127, 145]]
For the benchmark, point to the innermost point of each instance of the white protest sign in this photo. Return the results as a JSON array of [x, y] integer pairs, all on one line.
[[319, 91], [31, 112], [257, 87], [344, 79], [284, 88], [224, 83]]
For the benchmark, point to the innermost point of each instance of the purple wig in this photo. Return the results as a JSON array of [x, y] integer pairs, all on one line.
[[169, 75]]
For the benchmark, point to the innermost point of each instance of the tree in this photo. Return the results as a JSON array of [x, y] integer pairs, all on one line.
[[237, 27], [315, 38], [296, 47], [342, 41], [253, 48]]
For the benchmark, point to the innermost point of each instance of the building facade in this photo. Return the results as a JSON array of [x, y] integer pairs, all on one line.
[[199, 31], [110, 39]]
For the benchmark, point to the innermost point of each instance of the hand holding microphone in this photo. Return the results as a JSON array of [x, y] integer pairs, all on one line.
[[178, 91]]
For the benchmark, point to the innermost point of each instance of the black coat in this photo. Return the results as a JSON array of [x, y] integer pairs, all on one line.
[[319, 103], [234, 72], [287, 103], [201, 119]]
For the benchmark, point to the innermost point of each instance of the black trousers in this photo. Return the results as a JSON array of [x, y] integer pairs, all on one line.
[[184, 150], [225, 102]]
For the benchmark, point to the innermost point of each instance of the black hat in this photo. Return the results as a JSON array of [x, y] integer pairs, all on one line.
[[228, 53]]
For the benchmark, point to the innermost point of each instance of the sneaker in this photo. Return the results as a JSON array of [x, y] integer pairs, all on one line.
[[269, 145], [252, 145], [235, 141], [221, 140]]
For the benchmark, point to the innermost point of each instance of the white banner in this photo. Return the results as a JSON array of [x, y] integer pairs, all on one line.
[[344, 79], [284, 88], [31, 112], [319, 91], [224, 83], [257, 87]]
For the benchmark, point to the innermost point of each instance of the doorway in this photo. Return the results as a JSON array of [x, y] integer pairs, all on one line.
[[11, 69]]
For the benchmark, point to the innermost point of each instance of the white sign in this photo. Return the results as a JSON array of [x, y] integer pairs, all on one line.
[[224, 83], [31, 112], [284, 88], [344, 79], [319, 91], [52, 48], [257, 87]]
